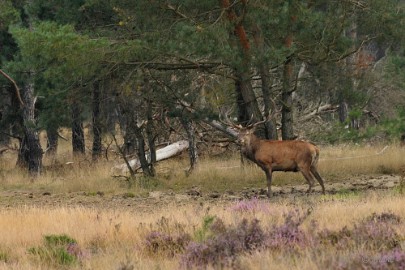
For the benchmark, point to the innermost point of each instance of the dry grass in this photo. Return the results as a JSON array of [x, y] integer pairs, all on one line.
[[337, 163], [111, 238]]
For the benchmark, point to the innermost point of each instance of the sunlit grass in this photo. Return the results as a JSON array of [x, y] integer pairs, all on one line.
[[113, 237], [337, 164]]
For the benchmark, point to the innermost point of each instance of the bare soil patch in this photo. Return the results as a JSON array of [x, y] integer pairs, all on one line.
[[159, 199]]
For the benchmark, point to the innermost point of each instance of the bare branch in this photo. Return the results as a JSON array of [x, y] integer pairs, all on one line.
[[17, 90]]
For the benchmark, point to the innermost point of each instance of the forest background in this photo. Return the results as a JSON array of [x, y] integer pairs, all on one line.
[[155, 72]]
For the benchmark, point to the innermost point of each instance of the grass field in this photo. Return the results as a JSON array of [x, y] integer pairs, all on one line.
[[47, 224]]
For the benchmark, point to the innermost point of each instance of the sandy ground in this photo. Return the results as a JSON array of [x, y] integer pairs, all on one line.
[[157, 199]]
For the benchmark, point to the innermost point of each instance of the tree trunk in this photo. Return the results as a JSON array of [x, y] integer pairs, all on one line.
[[52, 142], [343, 111], [287, 121], [96, 149], [78, 144], [287, 131], [243, 115], [8, 107], [269, 106], [270, 124], [249, 105], [192, 149], [140, 141], [246, 99], [30, 152], [150, 137], [161, 154]]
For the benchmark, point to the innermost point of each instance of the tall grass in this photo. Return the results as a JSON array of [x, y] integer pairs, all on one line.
[[110, 239], [337, 164], [113, 236]]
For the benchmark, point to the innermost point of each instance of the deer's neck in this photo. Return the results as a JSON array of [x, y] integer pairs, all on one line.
[[250, 147]]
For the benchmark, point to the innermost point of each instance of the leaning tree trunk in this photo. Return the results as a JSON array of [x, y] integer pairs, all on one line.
[[192, 149], [96, 149], [30, 152], [77, 130]]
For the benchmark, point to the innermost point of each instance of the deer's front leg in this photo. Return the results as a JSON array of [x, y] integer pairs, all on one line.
[[268, 176]]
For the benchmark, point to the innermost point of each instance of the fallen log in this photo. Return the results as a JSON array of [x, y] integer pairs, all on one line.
[[161, 154]]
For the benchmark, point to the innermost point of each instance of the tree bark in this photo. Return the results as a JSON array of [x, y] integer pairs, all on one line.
[[246, 100], [140, 141], [287, 131], [270, 124], [192, 149], [30, 152], [78, 143], [150, 136], [343, 111], [52, 142], [287, 121], [161, 154], [96, 149]]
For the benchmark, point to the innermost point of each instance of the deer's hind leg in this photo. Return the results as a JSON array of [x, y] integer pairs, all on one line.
[[314, 171], [308, 176]]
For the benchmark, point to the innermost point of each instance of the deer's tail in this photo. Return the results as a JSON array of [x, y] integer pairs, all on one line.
[[315, 156]]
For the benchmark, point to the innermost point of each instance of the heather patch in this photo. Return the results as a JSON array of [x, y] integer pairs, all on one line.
[[375, 232], [290, 235], [253, 205], [225, 243], [166, 240], [389, 260], [165, 244]]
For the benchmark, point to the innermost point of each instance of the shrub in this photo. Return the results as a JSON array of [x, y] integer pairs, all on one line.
[[289, 235], [375, 232], [250, 206], [225, 243], [58, 249], [165, 244], [203, 233], [390, 260]]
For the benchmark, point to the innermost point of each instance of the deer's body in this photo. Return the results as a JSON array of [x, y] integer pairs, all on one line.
[[281, 156]]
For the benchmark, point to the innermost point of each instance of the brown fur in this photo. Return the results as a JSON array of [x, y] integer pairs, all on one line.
[[281, 156]]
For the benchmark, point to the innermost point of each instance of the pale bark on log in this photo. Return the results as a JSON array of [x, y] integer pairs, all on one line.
[[161, 154], [317, 111]]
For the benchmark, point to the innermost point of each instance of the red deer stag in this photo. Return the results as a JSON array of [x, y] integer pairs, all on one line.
[[272, 155]]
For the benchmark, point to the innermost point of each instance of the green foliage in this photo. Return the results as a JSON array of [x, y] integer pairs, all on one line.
[[339, 133], [58, 240], [8, 14], [204, 232], [396, 69], [57, 249], [4, 256], [396, 126]]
